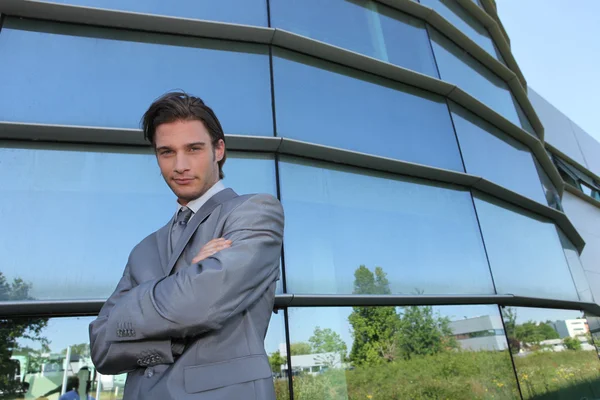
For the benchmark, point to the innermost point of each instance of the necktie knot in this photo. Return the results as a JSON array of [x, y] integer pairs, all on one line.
[[183, 216]]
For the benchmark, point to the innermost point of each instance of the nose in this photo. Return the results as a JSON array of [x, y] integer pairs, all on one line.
[[181, 164]]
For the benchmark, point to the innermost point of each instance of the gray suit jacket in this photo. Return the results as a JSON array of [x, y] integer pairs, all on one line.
[[185, 331]]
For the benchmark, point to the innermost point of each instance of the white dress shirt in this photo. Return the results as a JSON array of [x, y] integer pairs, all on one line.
[[195, 204]]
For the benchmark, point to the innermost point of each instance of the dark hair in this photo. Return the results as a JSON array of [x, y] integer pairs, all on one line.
[[180, 106]]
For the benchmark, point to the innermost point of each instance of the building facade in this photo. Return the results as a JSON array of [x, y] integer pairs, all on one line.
[[440, 215]]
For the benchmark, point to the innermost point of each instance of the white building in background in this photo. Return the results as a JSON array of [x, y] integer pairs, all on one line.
[[480, 333], [312, 364], [571, 327]]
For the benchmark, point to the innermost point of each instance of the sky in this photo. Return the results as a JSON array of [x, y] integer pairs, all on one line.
[[555, 43]]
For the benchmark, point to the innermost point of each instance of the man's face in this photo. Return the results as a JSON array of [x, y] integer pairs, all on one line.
[[187, 159]]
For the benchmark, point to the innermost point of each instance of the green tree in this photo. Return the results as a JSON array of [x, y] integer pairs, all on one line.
[[423, 333], [81, 349], [300, 348], [547, 331], [327, 341], [14, 329], [277, 360], [374, 329], [572, 343]]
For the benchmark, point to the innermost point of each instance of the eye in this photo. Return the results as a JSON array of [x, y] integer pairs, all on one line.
[[166, 152]]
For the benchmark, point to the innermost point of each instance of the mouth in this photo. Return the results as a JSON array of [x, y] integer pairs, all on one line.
[[183, 181]]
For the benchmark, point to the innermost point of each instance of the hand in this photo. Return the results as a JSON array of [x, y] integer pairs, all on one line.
[[211, 248]]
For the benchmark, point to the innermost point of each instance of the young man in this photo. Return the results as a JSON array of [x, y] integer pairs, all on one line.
[[189, 316]]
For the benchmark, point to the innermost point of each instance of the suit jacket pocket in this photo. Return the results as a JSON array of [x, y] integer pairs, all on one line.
[[201, 378]]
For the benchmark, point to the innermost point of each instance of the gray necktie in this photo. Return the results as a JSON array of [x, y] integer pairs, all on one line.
[[179, 225]]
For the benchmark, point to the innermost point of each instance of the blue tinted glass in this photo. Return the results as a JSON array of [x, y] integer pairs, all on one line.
[[341, 222], [365, 27], [322, 103], [76, 75], [84, 208], [554, 355], [493, 155], [461, 19], [458, 67], [248, 12], [417, 352], [525, 253], [576, 267]]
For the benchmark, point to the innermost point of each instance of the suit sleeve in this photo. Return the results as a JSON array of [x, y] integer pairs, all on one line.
[[203, 296], [113, 358]]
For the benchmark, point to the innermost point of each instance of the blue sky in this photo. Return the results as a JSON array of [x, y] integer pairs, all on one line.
[[555, 43]]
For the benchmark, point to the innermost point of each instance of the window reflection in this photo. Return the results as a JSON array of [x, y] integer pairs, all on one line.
[[366, 27], [464, 21], [492, 154], [108, 77], [38, 355], [553, 353], [579, 278], [69, 202], [323, 103], [341, 222], [458, 67], [524, 250], [248, 12], [416, 352]]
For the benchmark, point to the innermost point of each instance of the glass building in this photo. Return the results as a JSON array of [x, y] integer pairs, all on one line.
[[442, 219]]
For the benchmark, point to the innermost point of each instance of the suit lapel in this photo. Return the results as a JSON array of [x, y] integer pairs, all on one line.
[[193, 225], [163, 239]]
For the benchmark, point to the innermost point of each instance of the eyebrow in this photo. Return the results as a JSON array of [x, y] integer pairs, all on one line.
[[201, 144]]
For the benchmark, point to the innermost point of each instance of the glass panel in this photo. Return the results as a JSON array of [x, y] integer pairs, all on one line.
[[70, 202], [343, 223], [491, 154], [524, 250], [365, 27], [553, 353], [323, 103], [105, 77], [34, 358], [458, 67], [417, 352], [552, 196], [465, 22], [249, 12], [579, 278]]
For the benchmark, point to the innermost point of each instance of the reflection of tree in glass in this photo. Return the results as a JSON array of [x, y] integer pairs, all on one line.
[[528, 334], [17, 328], [81, 349], [381, 334]]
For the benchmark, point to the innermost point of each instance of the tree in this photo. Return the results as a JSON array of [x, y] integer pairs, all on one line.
[[547, 331], [572, 343], [13, 329], [373, 328], [81, 349], [300, 348], [277, 360], [327, 341], [422, 332]]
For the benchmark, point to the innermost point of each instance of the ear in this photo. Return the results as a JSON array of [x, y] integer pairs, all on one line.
[[219, 150]]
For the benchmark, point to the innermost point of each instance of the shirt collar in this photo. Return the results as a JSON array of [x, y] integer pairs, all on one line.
[[195, 204]]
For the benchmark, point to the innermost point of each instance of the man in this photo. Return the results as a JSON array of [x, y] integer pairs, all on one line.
[[72, 386], [189, 316]]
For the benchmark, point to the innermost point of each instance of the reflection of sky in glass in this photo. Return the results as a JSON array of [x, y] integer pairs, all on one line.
[[458, 67], [525, 253], [248, 12], [78, 211], [490, 153], [579, 277], [464, 21], [322, 103], [425, 237], [125, 71], [367, 27]]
